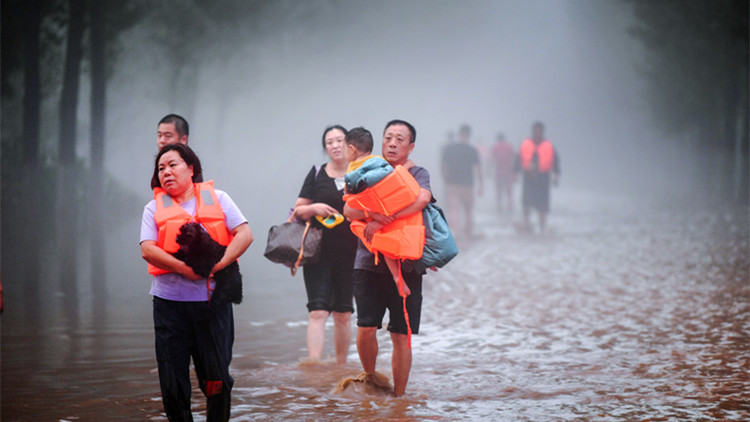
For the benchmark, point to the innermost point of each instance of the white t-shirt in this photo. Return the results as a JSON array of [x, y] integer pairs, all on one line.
[[174, 286]]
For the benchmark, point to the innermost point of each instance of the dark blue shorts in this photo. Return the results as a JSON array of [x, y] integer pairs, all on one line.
[[329, 287], [376, 292]]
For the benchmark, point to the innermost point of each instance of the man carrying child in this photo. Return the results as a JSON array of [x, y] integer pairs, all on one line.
[[374, 287]]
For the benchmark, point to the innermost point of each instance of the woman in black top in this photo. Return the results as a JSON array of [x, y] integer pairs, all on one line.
[[329, 283]]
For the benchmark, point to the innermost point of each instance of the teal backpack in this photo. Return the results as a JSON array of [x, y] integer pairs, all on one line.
[[439, 247]]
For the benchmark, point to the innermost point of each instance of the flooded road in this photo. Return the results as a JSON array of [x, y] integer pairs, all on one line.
[[627, 310]]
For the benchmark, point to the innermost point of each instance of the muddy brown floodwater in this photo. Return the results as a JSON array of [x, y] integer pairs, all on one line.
[[627, 310]]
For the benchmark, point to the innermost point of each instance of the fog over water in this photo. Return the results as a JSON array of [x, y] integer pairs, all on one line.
[[262, 102], [258, 96]]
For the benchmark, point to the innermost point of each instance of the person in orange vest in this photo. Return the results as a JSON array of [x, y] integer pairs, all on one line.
[[374, 289], [503, 158], [186, 322], [540, 163]]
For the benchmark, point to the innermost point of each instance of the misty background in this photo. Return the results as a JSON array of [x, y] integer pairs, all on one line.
[[642, 99]]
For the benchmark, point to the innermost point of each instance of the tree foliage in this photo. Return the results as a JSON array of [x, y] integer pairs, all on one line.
[[49, 47], [697, 74]]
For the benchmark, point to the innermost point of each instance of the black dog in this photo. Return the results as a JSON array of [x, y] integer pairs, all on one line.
[[200, 252]]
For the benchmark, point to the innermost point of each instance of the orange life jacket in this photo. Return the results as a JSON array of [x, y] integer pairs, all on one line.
[[402, 239], [395, 192], [170, 216], [546, 153]]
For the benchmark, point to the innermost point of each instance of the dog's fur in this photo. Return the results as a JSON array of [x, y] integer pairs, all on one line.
[[200, 252]]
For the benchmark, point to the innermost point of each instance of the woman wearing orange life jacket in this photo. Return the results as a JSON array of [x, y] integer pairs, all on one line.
[[541, 165], [186, 323]]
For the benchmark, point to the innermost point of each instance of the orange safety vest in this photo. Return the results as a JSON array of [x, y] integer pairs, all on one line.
[[402, 239], [395, 192], [546, 155], [170, 216]]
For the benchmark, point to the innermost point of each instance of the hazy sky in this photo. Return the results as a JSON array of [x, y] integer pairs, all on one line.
[[265, 93], [261, 93], [495, 65]]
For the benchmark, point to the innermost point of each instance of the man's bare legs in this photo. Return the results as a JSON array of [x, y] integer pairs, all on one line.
[[526, 218], [468, 204], [367, 347], [401, 362]]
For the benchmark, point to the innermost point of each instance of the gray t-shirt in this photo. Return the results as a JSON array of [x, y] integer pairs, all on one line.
[[172, 286], [365, 260]]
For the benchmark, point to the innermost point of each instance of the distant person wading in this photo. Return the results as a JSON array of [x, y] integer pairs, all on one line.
[[460, 166], [503, 159], [540, 163]]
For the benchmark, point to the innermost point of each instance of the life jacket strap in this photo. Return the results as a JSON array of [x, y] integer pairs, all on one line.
[[401, 285]]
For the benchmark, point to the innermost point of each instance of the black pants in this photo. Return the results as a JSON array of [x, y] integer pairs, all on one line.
[[185, 329]]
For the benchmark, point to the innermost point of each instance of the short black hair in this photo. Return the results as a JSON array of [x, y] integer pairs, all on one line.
[[408, 125], [465, 129], [361, 138], [187, 154], [539, 124], [179, 122], [330, 128]]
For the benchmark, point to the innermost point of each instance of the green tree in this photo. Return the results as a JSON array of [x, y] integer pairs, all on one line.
[[26, 35], [697, 70], [95, 205], [107, 20], [45, 192], [200, 32], [68, 200]]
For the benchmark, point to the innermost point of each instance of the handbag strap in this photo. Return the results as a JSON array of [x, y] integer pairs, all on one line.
[[292, 216], [301, 249]]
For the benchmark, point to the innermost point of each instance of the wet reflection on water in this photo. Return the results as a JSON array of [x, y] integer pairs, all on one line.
[[626, 312]]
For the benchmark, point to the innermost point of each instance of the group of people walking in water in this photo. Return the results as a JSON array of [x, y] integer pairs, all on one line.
[[188, 324], [463, 176]]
